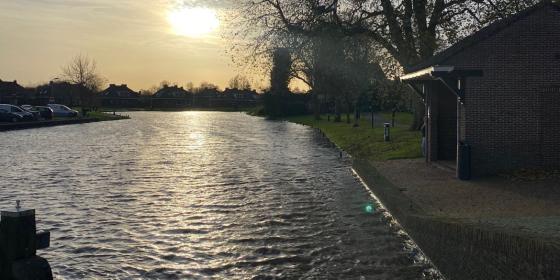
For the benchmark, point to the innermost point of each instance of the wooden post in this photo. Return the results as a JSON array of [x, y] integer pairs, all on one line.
[[19, 244]]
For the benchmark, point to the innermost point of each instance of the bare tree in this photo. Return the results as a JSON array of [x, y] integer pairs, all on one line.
[[190, 86], [82, 70], [280, 73], [410, 30], [205, 87], [166, 83], [407, 31], [240, 82]]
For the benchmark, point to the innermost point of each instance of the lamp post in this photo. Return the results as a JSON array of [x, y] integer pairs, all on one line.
[[387, 132], [372, 117], [51, 84]]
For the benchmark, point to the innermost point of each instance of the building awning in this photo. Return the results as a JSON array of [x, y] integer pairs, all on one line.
[[440, 72], [429, 73], [452, 77]]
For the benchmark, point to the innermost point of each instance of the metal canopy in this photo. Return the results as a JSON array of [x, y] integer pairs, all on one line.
[[452, 78], [428, 73]]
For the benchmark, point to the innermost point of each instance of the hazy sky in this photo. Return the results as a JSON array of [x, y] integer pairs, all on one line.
[[132, 41]]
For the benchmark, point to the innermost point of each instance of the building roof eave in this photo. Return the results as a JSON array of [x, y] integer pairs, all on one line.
[[451, 77], [430, 73], [482, 35]]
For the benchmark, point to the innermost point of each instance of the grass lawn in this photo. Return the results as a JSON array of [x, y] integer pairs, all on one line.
[[365, 142], [101, 115], [106, 116]]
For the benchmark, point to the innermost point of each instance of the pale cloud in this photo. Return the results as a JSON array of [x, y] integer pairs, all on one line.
[[130, 39]]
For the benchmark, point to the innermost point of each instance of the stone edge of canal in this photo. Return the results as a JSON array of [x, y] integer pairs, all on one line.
[[411, 246], [462, 250], [40, 124]]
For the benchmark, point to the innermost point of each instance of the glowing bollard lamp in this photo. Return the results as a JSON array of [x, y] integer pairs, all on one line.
[[369, 208], [19, 243], [387, 132]]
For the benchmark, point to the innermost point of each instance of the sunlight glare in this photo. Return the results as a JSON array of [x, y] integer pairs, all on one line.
[[193, 21]]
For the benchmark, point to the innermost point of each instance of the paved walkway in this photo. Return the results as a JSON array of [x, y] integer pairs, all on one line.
[[531, 207]]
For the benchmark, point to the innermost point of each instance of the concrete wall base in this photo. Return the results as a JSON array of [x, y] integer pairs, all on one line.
[[462, 250]]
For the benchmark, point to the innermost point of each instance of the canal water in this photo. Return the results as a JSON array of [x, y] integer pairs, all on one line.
[[200, 195]]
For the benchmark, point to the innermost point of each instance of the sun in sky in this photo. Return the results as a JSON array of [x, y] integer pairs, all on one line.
[[193, 21]]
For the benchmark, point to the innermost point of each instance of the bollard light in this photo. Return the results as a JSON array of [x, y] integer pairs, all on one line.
[[387, 132], [369, 208]]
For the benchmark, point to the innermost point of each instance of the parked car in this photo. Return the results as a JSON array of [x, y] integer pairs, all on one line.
[[62, 110], [6, 116], [40, 112], [45, 112], [26, 107], [31, 110], [16, 114]]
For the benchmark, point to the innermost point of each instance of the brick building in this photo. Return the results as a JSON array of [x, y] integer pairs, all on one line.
[[65, 93], [119, 96], [11, 92], [171, 97], [497, 91], [232, 97]]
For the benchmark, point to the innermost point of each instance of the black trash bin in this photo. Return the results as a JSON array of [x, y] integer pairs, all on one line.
[[464, 161]]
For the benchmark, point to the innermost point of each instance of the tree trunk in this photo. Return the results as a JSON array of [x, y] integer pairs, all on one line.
[[419, 112], [337, 114], [316, 105], [356, 116], [348, 109]]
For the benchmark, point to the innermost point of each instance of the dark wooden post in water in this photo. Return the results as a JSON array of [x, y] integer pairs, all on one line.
[[19, 243]]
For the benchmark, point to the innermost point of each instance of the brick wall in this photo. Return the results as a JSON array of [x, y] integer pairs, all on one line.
[[465, 251], [511, 113]]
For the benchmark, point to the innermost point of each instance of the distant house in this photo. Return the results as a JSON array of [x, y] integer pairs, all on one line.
[[65, 93], [241, 94], [171, 97], [119, 96], [236, 98], [497, 92], [13, 93], [205, 97]]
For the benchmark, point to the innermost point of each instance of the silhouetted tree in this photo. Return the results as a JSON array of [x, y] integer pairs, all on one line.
[[278, 101], [166, 83], [206, 87], [82, 70], [407, 31], [411, 31], [190, 86], [280, 73], [240, 82]]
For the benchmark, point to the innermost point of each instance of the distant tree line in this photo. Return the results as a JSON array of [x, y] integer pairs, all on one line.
[[81, 84]]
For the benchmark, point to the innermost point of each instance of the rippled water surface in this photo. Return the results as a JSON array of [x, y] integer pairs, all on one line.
[[194, 195]]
